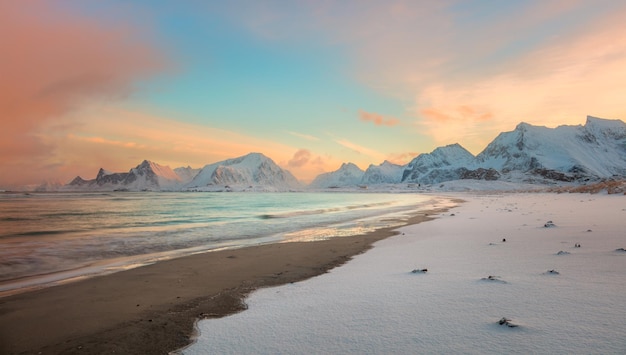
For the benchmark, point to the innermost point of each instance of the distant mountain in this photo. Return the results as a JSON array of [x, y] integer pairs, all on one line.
[[385, 173], [348, 174], [186, 174], [254, 171], [531, 154], [145, 176], [442, 164], [567, 153], [535, 154]]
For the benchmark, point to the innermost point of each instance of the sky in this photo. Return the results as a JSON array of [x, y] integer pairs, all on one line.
[[311, 84]]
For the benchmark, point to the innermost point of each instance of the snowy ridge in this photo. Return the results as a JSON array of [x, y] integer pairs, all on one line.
[[254, 170], [595, 150], [186, 174], [348, 174], [145, 176], [442, 164], [528, 154], [385, 173]]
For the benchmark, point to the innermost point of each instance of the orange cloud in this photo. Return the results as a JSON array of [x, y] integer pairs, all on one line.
[[378, 119], [54, 62]]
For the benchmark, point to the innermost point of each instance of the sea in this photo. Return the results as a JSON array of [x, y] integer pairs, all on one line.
[[52, 238]]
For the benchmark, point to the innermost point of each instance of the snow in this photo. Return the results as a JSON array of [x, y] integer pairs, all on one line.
[[163, 171], [385, 173], [254, 170], [575, 154], [439, 165], [598, 147], [375, 304], [186, 174], [348, 174]]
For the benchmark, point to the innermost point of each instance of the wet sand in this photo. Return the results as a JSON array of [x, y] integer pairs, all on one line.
[[152, 309]]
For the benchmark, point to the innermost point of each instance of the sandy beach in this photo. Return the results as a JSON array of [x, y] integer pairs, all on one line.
[[152, 309]]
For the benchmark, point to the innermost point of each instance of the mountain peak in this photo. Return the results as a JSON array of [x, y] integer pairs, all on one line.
[[348, 174], [253, 169], [349, 166], [604, 123]]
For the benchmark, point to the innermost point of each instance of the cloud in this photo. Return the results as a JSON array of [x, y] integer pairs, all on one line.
[[470, 68], [361, 150], [55, 62], [308, 137], [300, 158], [557, 83], [306, 165], [378, 119]]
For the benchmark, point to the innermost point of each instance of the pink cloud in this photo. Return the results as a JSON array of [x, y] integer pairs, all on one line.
[[54, 62], [378, 119], [300, 158], [457, 113]]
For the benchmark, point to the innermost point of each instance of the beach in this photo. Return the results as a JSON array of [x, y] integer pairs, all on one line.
[[514, 273], [152, 309]]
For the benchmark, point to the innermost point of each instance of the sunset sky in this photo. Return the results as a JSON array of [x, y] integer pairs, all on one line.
[[311, 84]]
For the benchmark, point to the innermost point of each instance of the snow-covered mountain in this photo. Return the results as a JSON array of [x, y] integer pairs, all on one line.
[[254, 170], [452, 162], [591, 151], [186, 174], [594, 151], [145, 176], [529, 154], [348, 174], [385, 173]]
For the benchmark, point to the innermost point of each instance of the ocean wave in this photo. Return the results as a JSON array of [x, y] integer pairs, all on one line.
[[320, 211]]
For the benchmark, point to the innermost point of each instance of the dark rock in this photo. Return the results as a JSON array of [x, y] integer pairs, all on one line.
[[507, 322]]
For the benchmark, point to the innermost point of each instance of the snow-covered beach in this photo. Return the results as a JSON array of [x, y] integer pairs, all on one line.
[[492, 257]]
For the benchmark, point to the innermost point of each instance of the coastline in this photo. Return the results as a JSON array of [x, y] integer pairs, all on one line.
[[152, 309]]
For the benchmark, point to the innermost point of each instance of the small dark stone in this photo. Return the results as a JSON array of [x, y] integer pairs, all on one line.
[[507, 322]]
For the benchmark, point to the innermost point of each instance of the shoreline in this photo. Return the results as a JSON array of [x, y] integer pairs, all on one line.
[[153, 308]]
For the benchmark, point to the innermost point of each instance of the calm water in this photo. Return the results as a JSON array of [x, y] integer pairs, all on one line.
[[50, 237]]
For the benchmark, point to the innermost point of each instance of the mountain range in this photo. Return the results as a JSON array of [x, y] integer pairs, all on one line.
[[531, 154], [253, 171]]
